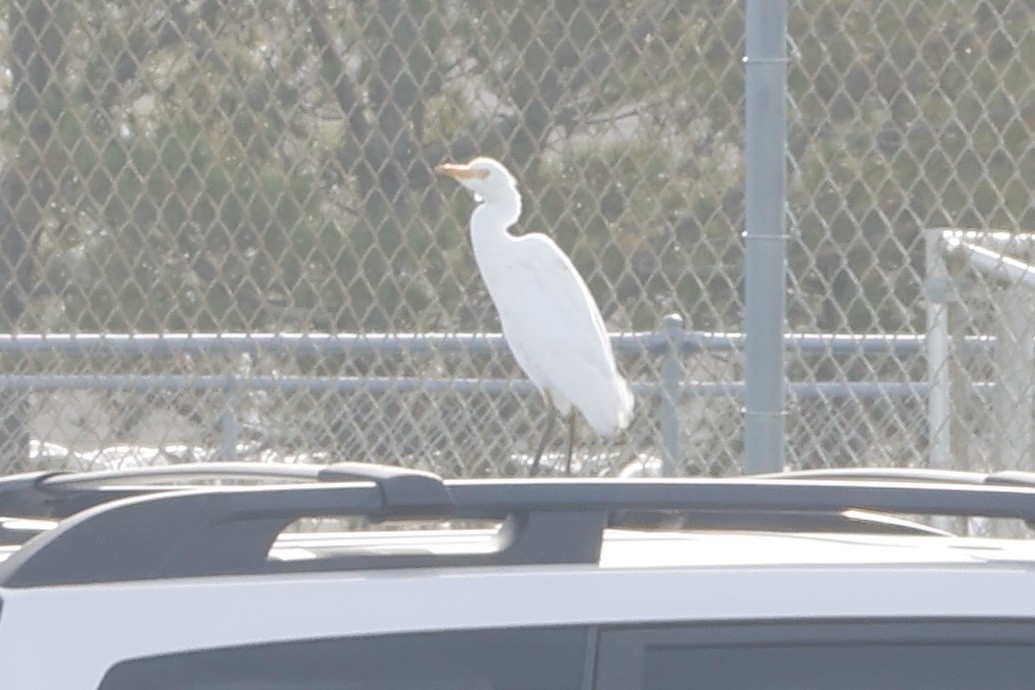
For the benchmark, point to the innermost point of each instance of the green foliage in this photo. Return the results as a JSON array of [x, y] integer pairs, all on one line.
[[265, 166], [908, 115]]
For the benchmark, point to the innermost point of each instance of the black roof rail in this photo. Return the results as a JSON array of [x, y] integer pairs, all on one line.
[[207, 531], [901, 474], [847, 522], [911, 474], [62, 494], [1010, 478]]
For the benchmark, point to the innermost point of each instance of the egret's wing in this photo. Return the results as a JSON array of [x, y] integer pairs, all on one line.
[[565, 301], [557, 334]]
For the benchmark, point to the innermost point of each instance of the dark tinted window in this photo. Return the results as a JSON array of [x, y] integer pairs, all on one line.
[[950, 655], [842, 667], [469, 660]]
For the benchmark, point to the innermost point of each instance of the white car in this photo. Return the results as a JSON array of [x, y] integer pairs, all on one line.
[[197, 577]]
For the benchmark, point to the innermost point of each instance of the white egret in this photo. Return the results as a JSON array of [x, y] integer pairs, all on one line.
[[549, 318]]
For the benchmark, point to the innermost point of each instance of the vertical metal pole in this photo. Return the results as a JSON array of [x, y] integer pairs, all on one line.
[[939, 372], [940, 396], [766, 235], [229, 429], [671, 382]]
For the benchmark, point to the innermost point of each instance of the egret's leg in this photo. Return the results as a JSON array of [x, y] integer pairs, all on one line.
[[534, 470], [571, 441]]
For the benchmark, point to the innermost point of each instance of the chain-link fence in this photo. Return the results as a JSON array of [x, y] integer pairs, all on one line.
[[907, 116], [256, 167]]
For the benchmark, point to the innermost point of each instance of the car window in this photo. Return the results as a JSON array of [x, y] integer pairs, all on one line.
[[950, 655], [513, 659], [842, 667]]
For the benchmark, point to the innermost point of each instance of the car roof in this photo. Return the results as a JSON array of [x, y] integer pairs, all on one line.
[[645, 549], [725, 549]]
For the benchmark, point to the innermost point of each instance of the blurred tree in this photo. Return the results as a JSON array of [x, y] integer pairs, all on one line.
[[908, 115], [29, 176], [267, 166]]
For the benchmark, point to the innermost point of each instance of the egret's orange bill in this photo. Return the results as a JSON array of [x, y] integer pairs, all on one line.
[[461, 171]]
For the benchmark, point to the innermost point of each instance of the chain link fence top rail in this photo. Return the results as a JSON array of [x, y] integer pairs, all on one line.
[[265, 167]]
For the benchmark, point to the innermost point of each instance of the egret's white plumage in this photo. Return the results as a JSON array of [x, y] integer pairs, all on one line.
[[549, 318]]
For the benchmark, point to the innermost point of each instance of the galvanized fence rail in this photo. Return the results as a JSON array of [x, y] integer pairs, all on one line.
[[671, 344]]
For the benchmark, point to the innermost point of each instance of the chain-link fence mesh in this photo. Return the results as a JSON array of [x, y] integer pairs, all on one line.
[[265, 167], [906, 116]]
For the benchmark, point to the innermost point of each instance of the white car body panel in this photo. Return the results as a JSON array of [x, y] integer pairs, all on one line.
[[66, 638]]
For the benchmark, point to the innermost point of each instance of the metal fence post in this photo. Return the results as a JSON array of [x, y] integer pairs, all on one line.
[[671, 382], [939, 374], [766, 239], [229, 428]]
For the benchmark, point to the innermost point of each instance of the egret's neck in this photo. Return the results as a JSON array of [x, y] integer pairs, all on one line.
[[491, 219], [492, 243]]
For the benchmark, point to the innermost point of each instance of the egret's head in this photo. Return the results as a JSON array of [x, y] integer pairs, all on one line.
[[484, 177]]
